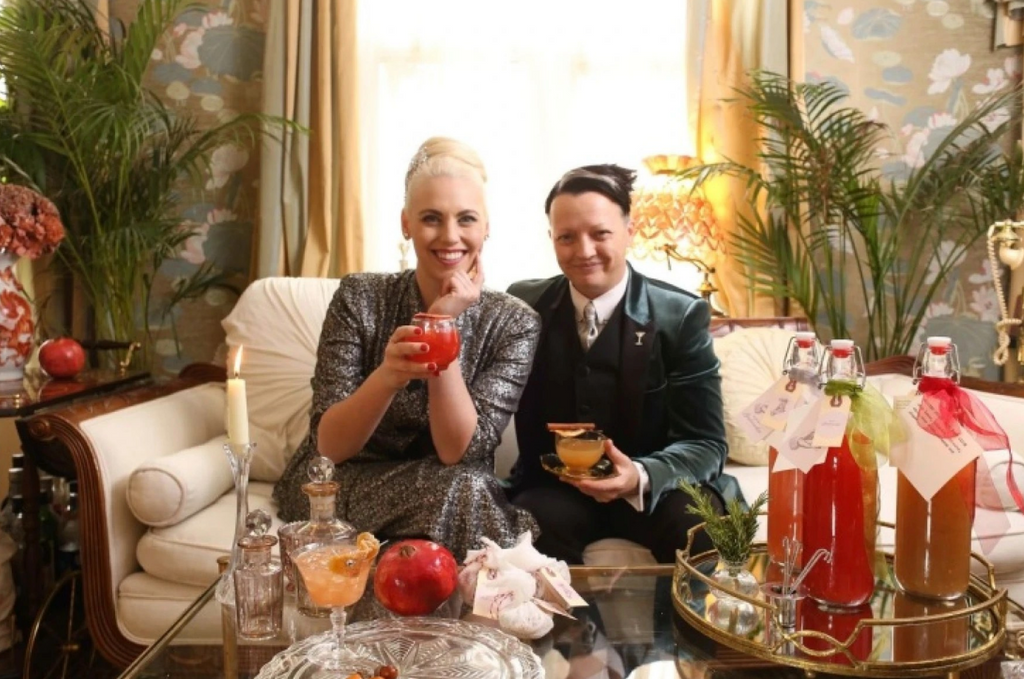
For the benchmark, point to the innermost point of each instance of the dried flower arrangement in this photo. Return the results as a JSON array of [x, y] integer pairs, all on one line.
[[30, 225]]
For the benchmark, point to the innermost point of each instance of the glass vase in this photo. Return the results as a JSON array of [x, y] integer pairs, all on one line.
[[17, 327], [729, 612]]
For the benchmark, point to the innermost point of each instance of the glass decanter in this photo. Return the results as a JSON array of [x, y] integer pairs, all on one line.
[[259, 590], [322, 524]]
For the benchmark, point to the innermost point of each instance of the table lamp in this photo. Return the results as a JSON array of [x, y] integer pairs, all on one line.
[[673, 221]]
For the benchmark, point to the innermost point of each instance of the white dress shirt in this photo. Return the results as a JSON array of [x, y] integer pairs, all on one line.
[[605, 306]]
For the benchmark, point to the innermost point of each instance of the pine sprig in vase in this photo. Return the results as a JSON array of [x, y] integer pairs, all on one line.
[[732, 533]]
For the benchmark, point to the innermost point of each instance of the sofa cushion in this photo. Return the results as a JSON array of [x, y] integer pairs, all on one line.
[[171, 488], [186, 553], [278, 322], [752, 361]]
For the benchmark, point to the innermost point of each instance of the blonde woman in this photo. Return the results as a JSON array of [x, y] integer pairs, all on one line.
[[413, 444]]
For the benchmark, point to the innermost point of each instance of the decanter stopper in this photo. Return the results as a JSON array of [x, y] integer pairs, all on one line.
[[257, 523], [321, 470]]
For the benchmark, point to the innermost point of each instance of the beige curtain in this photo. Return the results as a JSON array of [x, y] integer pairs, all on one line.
[[730, 38], [1009, 28], [310, 211]]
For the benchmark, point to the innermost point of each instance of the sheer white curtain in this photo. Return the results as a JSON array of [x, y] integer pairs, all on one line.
[[535, 87]]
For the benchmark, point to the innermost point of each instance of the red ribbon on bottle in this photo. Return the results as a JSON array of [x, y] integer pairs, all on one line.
[[946, 407]]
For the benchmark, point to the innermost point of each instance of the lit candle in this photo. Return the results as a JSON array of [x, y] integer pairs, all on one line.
[[238, 410]]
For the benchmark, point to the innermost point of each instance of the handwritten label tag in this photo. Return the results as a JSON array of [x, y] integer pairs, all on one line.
[[549, 607], [490, 598], [750, 422], [833, 413], [768, 411], [797, 443], [898, 447], [929, 462], [560, 590]]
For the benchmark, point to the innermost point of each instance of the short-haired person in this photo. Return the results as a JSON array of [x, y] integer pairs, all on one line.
[[644, 372], [414, 444]]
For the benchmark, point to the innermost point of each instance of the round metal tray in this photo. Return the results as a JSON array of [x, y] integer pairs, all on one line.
[[420, 648], [893, 636]]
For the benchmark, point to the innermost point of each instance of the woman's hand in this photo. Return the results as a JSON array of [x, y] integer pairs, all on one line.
[[459, 291], [398, 367]]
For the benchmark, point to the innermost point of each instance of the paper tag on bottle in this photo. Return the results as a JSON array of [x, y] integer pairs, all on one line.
[[490, 597], [929, 462], [797, 442], [769, 410], [549, 607], [833, 413], [560, 590]]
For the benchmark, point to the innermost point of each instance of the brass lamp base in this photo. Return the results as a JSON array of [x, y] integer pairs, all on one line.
[[706, 288]]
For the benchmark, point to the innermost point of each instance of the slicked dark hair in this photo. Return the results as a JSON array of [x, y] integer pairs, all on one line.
[[611, 181]]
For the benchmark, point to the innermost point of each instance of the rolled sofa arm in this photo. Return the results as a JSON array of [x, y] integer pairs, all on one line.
[[106, 439]]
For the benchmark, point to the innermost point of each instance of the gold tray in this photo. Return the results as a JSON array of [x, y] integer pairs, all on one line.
[[898, 636]]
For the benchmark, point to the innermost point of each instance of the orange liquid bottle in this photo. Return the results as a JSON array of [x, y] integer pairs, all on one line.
[[932, 556], [786, 487]]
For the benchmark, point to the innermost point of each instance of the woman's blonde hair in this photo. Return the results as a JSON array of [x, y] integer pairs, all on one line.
[[444, 157]]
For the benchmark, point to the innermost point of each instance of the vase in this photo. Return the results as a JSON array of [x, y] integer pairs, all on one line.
[[17, 327], [729, 612]]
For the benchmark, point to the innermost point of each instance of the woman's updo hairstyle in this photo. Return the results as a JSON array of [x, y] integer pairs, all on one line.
[[444, 157]]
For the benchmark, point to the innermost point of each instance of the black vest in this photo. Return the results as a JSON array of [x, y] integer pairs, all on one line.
[[582, 386]]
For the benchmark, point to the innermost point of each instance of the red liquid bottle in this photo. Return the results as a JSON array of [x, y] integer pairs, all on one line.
[[932, 557], [840, 506], [441, 335], [786, 487]]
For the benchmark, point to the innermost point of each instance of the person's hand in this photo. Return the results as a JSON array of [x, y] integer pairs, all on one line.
[[398, 368], [459, 291], [623, 484]]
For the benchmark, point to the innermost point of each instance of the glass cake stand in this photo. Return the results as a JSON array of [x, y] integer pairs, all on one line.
[[419, 648], [893, 635]]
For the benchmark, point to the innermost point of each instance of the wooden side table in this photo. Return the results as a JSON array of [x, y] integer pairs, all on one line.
[[34, 394]]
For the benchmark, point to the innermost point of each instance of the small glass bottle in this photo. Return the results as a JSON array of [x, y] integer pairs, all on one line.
[[786, 488], [841, 500], [67, 557], [259, 585], [932, 556], [321, 491]]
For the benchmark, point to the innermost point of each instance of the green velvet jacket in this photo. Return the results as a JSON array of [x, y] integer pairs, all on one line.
[[669, 387]]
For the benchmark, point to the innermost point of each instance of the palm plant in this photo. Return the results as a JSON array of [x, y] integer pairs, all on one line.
[[83, 129], [837, 236]]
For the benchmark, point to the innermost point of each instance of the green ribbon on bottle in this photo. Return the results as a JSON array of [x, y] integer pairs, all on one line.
[[872, 426]]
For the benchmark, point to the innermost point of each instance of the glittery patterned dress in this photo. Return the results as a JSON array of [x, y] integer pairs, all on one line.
[[396, 486]]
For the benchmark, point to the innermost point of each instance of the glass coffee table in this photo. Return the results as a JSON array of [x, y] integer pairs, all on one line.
[[629, 630]]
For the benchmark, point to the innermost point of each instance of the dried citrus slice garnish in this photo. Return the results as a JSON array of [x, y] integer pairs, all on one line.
[[367, 545], [570, 428]]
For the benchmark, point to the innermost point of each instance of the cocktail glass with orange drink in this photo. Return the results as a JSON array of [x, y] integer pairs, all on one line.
[[335, 571], [579, 446]]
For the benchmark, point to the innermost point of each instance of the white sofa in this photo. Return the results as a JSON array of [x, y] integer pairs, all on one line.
[[156, 453]]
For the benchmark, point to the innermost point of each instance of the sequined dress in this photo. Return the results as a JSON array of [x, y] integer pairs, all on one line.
[[396, 486]]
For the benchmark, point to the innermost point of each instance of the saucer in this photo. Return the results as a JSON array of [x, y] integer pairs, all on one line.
[[602, 470]]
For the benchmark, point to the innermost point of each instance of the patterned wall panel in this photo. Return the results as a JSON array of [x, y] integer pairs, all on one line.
[[919, 66], [209, 65]]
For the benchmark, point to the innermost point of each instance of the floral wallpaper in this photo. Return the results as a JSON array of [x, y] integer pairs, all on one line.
[[209, 65], [919, 66]]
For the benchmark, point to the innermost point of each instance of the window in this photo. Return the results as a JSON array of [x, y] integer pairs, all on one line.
[[537, 88]]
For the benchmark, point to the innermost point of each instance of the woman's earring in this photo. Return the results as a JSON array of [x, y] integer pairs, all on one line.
[[405, 235]]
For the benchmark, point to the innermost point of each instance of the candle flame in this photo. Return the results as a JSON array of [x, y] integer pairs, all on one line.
[[238, 361]]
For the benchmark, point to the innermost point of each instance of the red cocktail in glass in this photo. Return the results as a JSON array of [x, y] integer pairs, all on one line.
[[441, 335]]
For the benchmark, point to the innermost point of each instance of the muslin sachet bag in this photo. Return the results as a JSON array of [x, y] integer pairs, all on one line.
[[513, 587]]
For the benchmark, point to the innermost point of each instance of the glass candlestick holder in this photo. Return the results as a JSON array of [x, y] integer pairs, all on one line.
[[259, 587], [240, 458]]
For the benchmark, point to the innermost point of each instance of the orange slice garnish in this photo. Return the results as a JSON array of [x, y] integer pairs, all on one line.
[[571, 428], [351, 561]]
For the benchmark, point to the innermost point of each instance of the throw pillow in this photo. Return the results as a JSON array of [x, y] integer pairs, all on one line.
[[751, 362], [167, 490]]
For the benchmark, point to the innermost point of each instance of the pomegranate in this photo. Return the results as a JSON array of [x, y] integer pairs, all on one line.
[[414, 577], [62, 357]]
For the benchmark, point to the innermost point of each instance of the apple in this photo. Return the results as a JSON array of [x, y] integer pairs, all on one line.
[[414, 577], [62, 357]]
